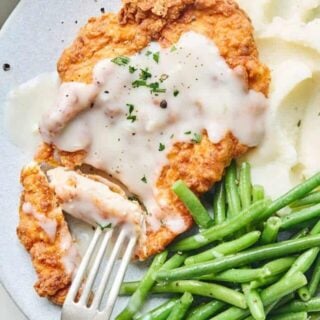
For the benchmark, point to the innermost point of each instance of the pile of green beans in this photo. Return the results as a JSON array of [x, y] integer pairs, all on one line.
[[241, 264]]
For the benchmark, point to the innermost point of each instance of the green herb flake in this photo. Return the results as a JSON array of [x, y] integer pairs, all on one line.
[[131, 116], [175, 92], [299, 124], [173, 48], [161, 147], [155, 88], [148, 53], [196, 138], [121, 60], [145, 74], [144, 179], [107, 226], [156, 57], [187, 132], [132, 69], [139, 83]]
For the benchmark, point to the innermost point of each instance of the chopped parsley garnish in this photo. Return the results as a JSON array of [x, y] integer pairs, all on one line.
[[156, 57], [175, 92], [144, 179], [155, 87], [161, 147], [196, 138], [148, 53], [121, 60], [173, 48], [131, 116], [132, 69], [139, 83], [107, 226], [145, 74], [299, 123], [187, 132]]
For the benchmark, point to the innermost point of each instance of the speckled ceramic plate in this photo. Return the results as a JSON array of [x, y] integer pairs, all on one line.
[[31, 42]]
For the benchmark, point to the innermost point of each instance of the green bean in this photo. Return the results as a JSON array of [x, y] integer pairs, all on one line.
[[257, 193], [245, 187], [291, 316], [270, 251], [303, 262], [264, 282], [304, 293], [294, 194], [192, 202], [315, 278], [225, 248], [159, 313], [258, 277], [271, 230], [219, 204], [223, 230], [233, 198], [204, 311], [254, 302], [181, 308], [278, 266], [312, 305], [278, 303], [272, 270], [298, 217], [269, 295], [174, 262], [237, 275], [312, 198], [203, 289], [137, 299], [316, 228]]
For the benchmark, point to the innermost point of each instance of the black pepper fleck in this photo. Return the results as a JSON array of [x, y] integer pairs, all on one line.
[[163, 104], [102, 10], [6, 67], [76, 22], [106, 91]]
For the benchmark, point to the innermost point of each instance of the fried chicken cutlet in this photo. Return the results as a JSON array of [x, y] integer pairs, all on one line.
[[199, 165], [138, 23]]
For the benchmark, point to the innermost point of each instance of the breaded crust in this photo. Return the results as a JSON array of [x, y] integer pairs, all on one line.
[[138, 23], [46, 252]]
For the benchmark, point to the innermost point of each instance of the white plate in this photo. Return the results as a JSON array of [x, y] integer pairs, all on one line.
[[31, 41]]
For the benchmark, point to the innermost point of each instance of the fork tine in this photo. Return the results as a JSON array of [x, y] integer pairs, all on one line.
[[76, 283], [100, 291], [119, 278], [93, 272]]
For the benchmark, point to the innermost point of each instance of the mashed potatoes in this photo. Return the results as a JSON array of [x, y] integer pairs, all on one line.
[[287, 34]]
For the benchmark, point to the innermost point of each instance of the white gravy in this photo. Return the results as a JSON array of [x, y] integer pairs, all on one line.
[[201, 93], [48, 225], [93, 201]]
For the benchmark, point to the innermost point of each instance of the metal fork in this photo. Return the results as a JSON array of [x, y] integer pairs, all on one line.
[[76, 307]]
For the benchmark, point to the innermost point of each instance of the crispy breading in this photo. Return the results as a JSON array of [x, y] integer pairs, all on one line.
[[138, 23], [38, 207]]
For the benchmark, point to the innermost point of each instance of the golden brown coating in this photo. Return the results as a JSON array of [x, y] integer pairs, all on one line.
[[40, 212], [138, 23]]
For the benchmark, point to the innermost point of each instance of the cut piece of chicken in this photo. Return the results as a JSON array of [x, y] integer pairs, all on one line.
[[95, 200], [138, 23], [44, 232]]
